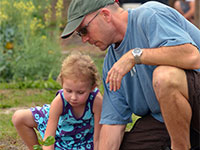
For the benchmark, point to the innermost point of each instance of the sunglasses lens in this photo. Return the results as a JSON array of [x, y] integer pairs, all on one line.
[[83, 31]]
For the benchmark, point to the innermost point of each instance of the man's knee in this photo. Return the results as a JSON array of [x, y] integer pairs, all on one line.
[[166, 79], [163, 78]]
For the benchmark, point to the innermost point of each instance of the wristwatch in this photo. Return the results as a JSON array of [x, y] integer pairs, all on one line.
[[137, 53]]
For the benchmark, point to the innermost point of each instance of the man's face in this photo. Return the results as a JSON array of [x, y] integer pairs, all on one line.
[[93, 30]]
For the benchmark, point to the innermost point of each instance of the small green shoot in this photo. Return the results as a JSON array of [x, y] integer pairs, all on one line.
[[49, 141]]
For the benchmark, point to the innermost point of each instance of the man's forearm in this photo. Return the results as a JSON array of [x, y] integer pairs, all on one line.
[[184, 56]]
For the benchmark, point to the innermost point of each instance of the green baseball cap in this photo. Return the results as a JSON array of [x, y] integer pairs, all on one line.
[[78, 9]]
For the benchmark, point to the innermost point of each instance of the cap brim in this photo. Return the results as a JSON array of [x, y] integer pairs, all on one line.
[[71, 27]]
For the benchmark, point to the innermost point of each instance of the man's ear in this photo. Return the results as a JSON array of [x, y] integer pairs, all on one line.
[[106, 14]]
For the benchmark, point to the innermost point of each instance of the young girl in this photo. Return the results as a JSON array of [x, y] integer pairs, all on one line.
[[73, 116]]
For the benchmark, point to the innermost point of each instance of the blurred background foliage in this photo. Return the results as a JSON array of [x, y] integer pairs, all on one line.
[[29, 40]]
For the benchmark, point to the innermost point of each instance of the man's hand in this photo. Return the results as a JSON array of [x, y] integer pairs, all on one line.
[[119, 69]]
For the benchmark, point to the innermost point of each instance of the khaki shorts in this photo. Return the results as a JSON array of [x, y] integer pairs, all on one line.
[[150, 134]]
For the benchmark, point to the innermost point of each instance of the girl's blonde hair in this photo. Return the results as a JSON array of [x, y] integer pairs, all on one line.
[[79, 67]]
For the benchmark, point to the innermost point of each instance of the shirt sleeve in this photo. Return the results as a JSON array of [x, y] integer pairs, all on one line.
[[166, 29], [115, 109]]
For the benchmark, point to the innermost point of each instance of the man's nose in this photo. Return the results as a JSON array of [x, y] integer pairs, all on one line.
[[85, 38]]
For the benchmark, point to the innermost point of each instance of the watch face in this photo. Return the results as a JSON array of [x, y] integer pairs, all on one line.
[[137, 50]]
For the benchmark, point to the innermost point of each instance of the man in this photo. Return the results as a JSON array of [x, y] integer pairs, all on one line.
[[148, 71]]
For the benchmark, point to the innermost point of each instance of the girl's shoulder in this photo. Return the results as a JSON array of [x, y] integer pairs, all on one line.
[[59, 92], [97, 102], [93, 94], [62, 99]]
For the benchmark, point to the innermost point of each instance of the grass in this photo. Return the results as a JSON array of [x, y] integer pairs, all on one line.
[[13, 99], [6, 126], [26, 97]]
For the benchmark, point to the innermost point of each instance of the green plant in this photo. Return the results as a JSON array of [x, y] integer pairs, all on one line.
[[39, 84], [37, 60], [50, 140], [28, 50], [5, 65]]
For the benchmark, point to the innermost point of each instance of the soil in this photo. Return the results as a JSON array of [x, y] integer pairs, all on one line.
[[11, 145], [74, 43]]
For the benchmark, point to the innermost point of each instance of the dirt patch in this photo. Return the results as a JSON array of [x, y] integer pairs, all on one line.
[[12, 145], [28, 91], [11, 110], [74, 43]]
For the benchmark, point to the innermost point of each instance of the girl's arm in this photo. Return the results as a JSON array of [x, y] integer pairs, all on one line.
[[97, 114], [54, 114]]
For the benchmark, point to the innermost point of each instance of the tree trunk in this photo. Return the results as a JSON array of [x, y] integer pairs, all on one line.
[[197, 13]]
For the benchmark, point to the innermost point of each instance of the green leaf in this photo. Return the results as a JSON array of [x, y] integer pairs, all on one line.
[[49, 141], [37, 147], [40, 141]]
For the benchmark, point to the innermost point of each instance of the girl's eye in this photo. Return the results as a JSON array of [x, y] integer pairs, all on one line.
[[80, 92], [68, 91]]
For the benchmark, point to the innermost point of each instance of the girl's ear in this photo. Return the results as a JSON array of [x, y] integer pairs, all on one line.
[[93, 87]]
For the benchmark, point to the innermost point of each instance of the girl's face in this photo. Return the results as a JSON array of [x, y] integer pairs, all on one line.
[[76, 92]]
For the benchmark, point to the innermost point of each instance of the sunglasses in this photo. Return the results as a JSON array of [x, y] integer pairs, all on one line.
[[83, 31]]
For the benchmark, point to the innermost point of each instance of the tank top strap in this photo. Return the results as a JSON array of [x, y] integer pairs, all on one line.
[[63, 100], [92, 97]]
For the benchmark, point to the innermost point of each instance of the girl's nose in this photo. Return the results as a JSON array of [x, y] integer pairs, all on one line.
[[73, 96]]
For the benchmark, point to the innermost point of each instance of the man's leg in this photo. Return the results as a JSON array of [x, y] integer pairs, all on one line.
[[171, 89], [146, 134]]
